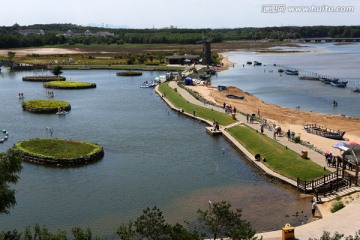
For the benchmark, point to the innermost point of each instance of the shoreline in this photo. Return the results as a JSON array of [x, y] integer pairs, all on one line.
[[287, 118], [313, 227]]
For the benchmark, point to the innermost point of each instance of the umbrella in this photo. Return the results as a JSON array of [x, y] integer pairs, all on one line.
[[340, 144], [352, 143]]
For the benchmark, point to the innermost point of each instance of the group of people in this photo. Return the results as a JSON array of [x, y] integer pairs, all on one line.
[[228, 108], [216, 126], [21, 96], [50, 94], [250, 118]]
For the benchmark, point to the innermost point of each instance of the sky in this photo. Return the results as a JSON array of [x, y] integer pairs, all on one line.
[[181, 13]]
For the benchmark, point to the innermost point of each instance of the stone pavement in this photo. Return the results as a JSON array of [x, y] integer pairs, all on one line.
[[346, 221]]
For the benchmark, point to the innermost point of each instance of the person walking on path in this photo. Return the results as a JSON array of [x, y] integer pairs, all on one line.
[[288, 135], [274, 134], [313, 207]]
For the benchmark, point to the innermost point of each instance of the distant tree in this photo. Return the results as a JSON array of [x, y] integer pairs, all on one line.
[[337, 236], [151, 225], [220, 220], [39, 232], [10, 166], [11, 55], [57, 70]]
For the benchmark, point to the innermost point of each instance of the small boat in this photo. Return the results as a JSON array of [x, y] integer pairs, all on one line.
[[339, 84], [211, 72], [234, 96], [204, 76], [256, 63], [356, 89], [308, 78], [324, 131], [291, 72], [147, 84], [249, 62], [328, 80], [61, 112], [280, 70]]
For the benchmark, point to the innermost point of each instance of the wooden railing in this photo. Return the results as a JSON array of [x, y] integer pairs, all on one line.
[[310, 186], [307, 186]]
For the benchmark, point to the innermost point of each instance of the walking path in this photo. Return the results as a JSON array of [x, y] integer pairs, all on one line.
[[346, 221]]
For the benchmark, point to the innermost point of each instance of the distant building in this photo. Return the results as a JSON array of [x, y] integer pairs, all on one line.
[[104, 34], [26, 32], [88, 33], [68, 33]]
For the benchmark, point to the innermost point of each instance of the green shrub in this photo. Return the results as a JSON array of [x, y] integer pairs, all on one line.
[[297, 139], [336, 206]]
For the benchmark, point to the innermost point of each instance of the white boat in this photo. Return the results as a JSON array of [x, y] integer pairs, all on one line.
[[61, 112], [148, 84]]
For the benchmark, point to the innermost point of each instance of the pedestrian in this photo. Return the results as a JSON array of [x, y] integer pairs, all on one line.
[[313, 207], [247, 118], [274, 134], [259, 112], [288, 135], [262, 129], [193, 112]]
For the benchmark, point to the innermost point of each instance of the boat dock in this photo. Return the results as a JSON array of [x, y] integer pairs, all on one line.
[[213, 131]]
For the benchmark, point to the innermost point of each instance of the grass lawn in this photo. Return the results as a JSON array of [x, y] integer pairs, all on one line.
[[177, 100], [57, 148], [281, 160]]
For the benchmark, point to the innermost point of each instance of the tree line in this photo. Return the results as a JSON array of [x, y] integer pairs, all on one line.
[[10, 38]]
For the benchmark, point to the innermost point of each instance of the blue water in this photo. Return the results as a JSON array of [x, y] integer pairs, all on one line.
[[341, 61], [153, 157]]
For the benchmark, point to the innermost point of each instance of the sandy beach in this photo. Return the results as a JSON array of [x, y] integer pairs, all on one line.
[[286, 118]]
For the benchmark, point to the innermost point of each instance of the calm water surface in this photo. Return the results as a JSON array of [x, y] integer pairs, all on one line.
[[341, 61], [153, 157]]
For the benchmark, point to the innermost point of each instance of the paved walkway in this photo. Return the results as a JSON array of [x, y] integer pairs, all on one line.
[[346, 221]]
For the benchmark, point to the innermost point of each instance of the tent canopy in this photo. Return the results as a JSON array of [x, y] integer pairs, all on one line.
[[352, 153]]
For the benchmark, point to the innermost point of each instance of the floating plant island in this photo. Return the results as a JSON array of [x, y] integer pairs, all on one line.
[[129, 74], [69, 85], [59, 152], [43, 78], [45, 106]]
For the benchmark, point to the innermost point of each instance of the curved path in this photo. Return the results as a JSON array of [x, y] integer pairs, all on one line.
[[346, 221]]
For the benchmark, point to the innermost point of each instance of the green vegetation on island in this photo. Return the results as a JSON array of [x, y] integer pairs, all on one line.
[[69, 85], [43, 78], [59, 151], [45, 106], [129, 74]]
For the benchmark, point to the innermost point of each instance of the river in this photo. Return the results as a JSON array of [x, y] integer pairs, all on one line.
[[153, 157], [340, 61]]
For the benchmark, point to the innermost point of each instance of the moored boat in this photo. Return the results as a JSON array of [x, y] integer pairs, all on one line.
[[339, 84], [280, 70], [356, 89], [147, 84], [328, 80], [324, 131], [291, 72], [256, 63], [308, 78], [249, 62]]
